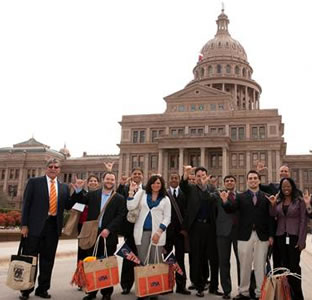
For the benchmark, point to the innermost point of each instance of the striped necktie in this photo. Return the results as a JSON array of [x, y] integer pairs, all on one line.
[[53, 199]]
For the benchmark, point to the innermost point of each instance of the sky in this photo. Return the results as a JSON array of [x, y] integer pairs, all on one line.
[[69, 70]]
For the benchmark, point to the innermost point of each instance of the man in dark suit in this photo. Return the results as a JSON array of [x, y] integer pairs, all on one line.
[[113, 205], [176, 233], [127, 271], [227, 230], [200, 222], [255, 233], [42, 220]]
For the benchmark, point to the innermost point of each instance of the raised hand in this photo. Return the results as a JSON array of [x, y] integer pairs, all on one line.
[[307, 198], [205, 179], [187, 171], [272, 198], [224, 196], [260, 166], [109, 166], [133, 187], [124, 180], [78, 183]]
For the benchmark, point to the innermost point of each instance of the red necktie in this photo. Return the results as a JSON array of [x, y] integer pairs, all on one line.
[[53, 199]]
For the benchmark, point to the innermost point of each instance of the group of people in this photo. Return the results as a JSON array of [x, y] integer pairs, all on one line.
[[192, 215]]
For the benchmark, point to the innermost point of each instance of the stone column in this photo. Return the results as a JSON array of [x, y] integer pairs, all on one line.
[[301, 179], [181, 161], [146, 167], [246, 98], [165, 173], [160, 160], [278, 164], [5, 185], [202, 156], [225, 167], [20, 187], [270, 177], [127, 164], [248, 163], [147, 136], [254, 99], [235, 94]]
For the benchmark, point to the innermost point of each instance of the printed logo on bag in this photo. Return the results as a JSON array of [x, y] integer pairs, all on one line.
[[103, 278], [155, 283], [18, 272]]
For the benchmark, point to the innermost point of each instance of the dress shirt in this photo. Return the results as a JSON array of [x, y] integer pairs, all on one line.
[[176, 189], [103, 201]]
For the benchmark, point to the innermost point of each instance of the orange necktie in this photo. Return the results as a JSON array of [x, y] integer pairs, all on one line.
[[53, 199]]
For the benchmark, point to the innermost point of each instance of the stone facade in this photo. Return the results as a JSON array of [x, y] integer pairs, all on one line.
[[215, 121]]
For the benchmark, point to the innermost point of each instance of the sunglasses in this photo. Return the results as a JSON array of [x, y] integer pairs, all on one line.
[[53, 167]]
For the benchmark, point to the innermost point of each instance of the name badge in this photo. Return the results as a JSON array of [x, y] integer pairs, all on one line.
[[287, 240]]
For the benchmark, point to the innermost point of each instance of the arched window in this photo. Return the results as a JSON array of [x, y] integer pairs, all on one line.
[[228, 69], [244, 72], [202, 72], [219, 45], [219, 69], [210, 70], [237, 70]]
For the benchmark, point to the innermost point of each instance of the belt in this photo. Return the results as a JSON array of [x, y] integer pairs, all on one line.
[[203, 220]]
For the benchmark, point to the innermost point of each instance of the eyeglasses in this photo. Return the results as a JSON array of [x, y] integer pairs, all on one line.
[[53, 167]]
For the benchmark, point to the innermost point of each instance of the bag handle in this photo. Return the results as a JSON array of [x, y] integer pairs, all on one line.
[[95, 249], [156, 258], [21, 245]]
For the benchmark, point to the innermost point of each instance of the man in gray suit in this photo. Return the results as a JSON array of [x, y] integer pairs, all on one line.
[[227, 229]]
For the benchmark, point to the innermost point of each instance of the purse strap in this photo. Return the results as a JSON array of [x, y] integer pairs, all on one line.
[[96, 246], [105, 205]]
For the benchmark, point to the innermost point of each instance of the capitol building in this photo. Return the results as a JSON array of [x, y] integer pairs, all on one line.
[[214, 121]]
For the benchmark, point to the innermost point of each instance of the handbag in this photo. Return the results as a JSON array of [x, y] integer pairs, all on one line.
[[71, 226], [89, 230], [153, 279], [133, 214], [100, 273], [22, 270]]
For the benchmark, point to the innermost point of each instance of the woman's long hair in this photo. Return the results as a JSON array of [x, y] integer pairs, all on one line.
[[162, 192], [295, 194]]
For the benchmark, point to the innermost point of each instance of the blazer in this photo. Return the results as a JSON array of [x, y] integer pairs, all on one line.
[[161, 214], [175, 226], [113, 214], [294, 223], [36, 204], [252, 217], [224, 221], [192, 193]]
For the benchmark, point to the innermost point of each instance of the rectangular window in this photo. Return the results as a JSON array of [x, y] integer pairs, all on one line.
[[194, 160], [11, 173], [254, 132], [193, 131], [241, 133], [134, 162], [65, 177], [138, 136], [214, 161], [12, 190], [234, 160], [154, 135], [220, 131], [213, 131], [142, 136], [241, 182], [69, 177], [263, 158], [181, 131], [241, 160], [135, 136], [141, 161], [17, 173], [234, 133], [2, 174], [154, 162], [262, 132], [254, 159], [213, 107], [33, 173]]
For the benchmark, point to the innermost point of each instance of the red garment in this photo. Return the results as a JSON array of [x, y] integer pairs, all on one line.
[[84, 215]]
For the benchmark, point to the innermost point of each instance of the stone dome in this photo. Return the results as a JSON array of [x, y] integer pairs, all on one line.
[[223, 44], [65, 151]]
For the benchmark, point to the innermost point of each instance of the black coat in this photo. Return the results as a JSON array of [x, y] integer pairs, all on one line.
[[193, 194], [36, 204], [113, 215], [252, 216]]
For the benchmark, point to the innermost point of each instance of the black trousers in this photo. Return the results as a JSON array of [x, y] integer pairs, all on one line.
[[203, 248], [290, 258], [224, 250], [111, 249], [44, 247], [178, 242], [127, 270]]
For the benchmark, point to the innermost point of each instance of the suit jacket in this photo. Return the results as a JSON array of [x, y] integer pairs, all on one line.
[[36, 204], [192, 193], [252, 216], [175, 226], [224, 221], [271, 188], [113, 215]]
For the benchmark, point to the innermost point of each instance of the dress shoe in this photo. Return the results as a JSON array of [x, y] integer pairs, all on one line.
[[125, 291], [106, 297], [226, 296], [44, 295], [200, 294], [88, 297], [183, 291], [23, 296], [241, 297], [215, 292]]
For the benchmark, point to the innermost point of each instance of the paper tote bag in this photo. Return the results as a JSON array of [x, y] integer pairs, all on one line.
[[88, 234], [71, 226], [152, 279], [22, 270], [100, 273]]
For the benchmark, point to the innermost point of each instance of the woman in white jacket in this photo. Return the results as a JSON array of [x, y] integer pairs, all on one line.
[[154, 216]]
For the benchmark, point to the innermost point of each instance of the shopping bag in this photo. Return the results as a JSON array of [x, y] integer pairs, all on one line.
[[100, 273], [152, 279], [268, 288], [22, 270], [71, 226], [282, 288]]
